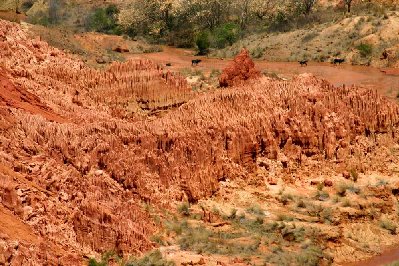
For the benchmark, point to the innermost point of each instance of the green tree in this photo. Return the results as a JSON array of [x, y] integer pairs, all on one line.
[[53, 10], [105, 20], [203, 43], [226, 34]]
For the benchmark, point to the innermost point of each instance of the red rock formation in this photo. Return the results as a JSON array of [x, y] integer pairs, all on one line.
[[240, 70], [80, 185]]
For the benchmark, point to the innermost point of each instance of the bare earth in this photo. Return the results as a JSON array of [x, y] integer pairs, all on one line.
[[386, 83]]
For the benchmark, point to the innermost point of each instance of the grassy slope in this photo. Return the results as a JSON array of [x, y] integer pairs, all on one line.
[[322, 42]]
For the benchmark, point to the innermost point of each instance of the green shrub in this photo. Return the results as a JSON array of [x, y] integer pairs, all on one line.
[[310, 36], [104, 20], [177, 228], [256, 209], [104, 259], [346, 203], [184, 209], [326, 215], [257, 52], [233, 214], [341, 189], [215, 73], [388, 225], [40, 18], [322, 195], [154, 258], [27, 5], [365, 50], [93, 262], [286, 198], [280, 22], [381, 182], [158, 239], [300, 204], [284, 217], [226, 34], [203, 43], [354, 189], [354, 175], [314, 210], [310, 256], [395, 263], [202, 240]]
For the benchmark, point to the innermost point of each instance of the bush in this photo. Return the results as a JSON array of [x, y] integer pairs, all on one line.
[[226, 34], [154, 258], [40, 18], [233, 214], [326, 215], [203, 43], [310, 36], [322, 195], [184, 209], [310, 256], [286, 198], [105, 258], [300, 203], [104, 20], [280, 22], [388, 225], [54, 6], [346, 203], [365, 50], [257, 52], [341, 189], [256, 210], [355, 175], [27, 5]]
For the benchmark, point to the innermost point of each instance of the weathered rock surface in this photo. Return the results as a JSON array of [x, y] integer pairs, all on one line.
[[239, 71], [80, 184]]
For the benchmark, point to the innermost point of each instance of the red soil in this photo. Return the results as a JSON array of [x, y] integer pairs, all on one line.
[[345, 74], [16, 97]]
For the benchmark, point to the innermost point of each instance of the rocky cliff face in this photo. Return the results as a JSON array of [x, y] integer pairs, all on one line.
[[79, 183]]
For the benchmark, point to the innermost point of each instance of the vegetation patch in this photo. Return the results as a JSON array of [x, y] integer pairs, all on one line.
[[365, 49], [104, 20]]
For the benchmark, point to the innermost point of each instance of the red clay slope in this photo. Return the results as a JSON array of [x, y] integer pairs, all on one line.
[[16, 97]]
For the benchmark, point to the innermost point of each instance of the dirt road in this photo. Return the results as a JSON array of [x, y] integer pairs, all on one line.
[[386, 83]]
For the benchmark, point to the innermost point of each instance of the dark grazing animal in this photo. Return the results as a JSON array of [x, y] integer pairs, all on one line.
[[195, 62], [338, 61], [303, 62], [168, 64], [384, 55]]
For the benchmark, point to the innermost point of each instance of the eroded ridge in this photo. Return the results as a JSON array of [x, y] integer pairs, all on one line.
[[80, 186]]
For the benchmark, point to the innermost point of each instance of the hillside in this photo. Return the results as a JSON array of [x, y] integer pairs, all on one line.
[[365, 36], [324, 42]]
